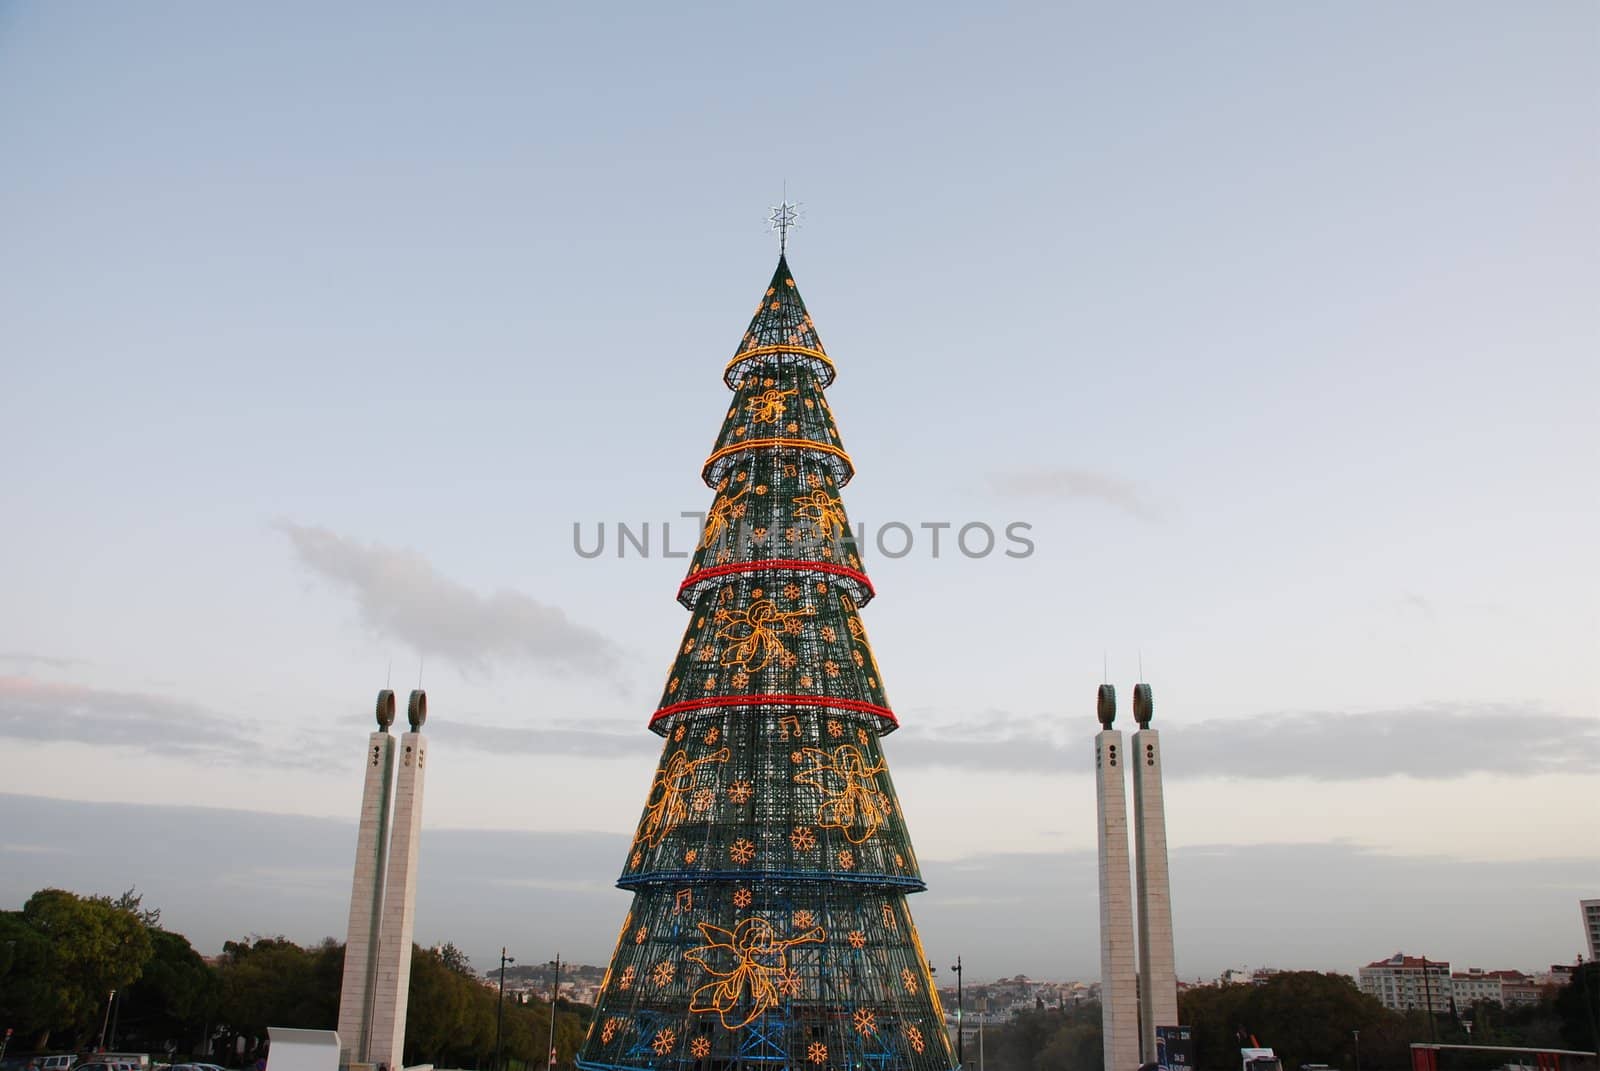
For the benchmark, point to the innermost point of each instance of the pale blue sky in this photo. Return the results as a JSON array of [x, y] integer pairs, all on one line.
[[1277, 322]]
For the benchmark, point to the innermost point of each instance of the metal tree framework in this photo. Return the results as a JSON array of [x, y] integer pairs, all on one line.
[[771, 865]]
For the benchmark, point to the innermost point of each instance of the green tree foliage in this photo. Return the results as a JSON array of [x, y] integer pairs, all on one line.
[[452, 1014], [27, 986], [65, 953], [95, 947], [1304, 1016], [1577, 1007], [174, 1000], [455, 959], [1049, 1039], [272, 981], [132, 902]]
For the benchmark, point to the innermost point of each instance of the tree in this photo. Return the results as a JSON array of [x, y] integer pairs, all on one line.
[[438, 1018], [1049, 1039], [451, 1018], [772, 866], [26, 990], [132, 902], [274, 982], [174, 1000], [1304, 1016], [1577, 1006], [95, 948], [456, 960]]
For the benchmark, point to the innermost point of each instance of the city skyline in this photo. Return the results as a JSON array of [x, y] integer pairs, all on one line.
[[324, 331]]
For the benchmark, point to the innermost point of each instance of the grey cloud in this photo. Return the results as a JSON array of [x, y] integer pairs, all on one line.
[[402, 596], [48, 711], [1432, 742], [1069, 484], [1030, 912]]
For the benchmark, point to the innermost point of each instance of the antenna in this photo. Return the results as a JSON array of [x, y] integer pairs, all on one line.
[[1105, 672], [419, 670], [1141, 667], [785, 215], [388, 674]]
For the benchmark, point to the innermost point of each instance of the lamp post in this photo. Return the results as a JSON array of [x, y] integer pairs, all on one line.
[[961, 1038], [555, 994], [1357, 1035], [106, 1022], [500, 1012]]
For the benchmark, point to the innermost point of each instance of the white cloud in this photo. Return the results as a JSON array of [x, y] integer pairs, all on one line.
[[401, 595]]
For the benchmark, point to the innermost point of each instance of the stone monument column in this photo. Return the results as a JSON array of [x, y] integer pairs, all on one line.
[[1119, 999], [1158, 979], [393, 987], [366, 891]]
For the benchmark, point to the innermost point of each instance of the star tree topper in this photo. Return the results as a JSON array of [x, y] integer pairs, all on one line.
[[785, 214]]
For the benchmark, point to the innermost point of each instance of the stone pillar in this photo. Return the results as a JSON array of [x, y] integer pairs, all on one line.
[[366, 891], [400, 897], [1119, 999], [1158, 979]]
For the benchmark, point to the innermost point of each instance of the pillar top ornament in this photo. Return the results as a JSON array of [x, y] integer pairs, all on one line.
[[1106, 705], [1144, 705]]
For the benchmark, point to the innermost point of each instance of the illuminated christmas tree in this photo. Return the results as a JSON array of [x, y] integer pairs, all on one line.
[[771, 865]]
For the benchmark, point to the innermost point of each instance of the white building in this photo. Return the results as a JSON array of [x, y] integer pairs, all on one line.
[[1591, 926], [1474, 985], [1404, 982]]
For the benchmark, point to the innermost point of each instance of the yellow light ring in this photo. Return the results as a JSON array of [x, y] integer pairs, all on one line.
[[799, 444], [826, 362], [843, 468]]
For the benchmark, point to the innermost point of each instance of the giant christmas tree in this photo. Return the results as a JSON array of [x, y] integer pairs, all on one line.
[[770, 868]]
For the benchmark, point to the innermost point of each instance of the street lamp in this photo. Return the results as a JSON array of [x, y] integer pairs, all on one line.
[[500, 1012], [555, 994], [1357, 1035], [961, 1058], [107, 1020]]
